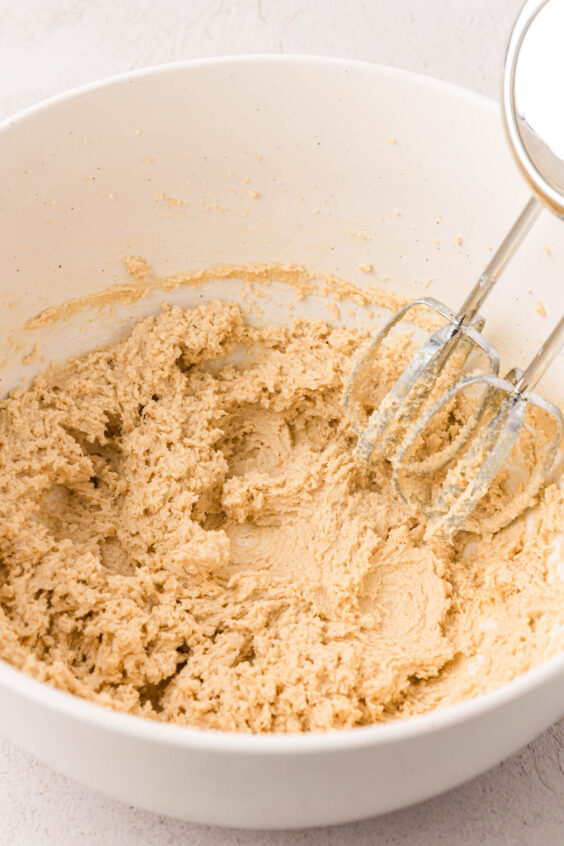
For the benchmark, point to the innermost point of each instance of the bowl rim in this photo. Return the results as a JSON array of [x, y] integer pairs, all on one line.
[[210, 740], [425, 80]]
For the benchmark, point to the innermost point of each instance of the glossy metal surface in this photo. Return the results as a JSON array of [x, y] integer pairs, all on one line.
[[533, 98]]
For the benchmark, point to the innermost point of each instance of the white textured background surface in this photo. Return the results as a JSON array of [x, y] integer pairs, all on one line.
[[47, 46]]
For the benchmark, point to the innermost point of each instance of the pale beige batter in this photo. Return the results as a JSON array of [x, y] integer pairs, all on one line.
[[188, 538]]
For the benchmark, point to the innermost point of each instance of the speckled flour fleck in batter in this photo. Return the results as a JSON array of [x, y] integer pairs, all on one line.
[[184, 535]]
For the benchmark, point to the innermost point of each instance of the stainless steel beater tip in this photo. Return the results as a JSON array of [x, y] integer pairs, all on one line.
[[472, 475]]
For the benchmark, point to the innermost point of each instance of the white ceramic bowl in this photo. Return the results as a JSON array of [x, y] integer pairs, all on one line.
[[85, 180]]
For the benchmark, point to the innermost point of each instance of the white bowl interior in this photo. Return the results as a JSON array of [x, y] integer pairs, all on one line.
[[89, 181]]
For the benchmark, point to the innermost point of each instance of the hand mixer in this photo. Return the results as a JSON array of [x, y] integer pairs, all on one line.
[[459, 475]]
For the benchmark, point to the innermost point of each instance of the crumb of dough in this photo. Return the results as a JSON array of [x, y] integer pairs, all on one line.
[[137, 267], [458, 240], [185, 535], [366, 267], [396, 213], [547, 250], [254, 195], [540, 309], [390, 139], [334, 309], [32, 355]]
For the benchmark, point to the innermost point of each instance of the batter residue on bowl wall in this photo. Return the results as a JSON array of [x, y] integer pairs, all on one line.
[[185, 535]]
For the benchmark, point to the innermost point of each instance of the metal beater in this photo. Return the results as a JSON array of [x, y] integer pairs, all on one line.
[[458, 476]]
